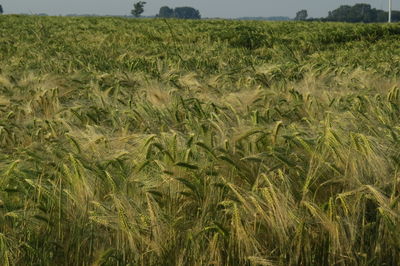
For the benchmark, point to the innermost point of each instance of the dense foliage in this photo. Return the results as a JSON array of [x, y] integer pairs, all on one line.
[[301, 15], [166, 12], [179, 12], [138, 8], [361, 13], [168, 142]]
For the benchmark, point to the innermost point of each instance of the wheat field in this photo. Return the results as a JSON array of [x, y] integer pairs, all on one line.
[[210, 142]]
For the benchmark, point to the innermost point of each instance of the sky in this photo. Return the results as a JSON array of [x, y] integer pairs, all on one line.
[[207, 8]]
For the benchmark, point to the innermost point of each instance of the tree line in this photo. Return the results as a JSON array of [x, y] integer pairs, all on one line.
[[179, 12], [345, 13], [361, 13], [167, 12], [356, 13]]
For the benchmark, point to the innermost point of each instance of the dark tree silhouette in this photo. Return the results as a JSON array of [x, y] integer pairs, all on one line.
[[138, 8], [187, 12], [166, 12], [301, 15], [179, 12], [360, 13]]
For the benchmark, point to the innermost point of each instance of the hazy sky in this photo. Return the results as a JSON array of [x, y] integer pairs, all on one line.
[[208, 8]]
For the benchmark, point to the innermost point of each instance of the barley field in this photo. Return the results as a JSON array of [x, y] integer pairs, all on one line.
[[215, 142]]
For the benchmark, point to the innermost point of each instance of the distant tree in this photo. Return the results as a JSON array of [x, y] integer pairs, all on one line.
[[340, 14], [179, 12], [395, 16], [138, 8], [382, 16], [187, 13], [1, 10], [358, 13], [166, 12], [363, 13], [301, 15]]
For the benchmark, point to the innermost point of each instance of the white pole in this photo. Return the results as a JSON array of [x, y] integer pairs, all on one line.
[[390, 11]]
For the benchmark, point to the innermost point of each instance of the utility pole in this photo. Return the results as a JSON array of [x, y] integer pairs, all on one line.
[[390, 11]]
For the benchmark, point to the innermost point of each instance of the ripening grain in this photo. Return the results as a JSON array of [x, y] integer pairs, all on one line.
[[152, 142]]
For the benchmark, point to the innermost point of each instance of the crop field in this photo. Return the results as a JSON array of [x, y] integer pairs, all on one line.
[[209, 142]]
